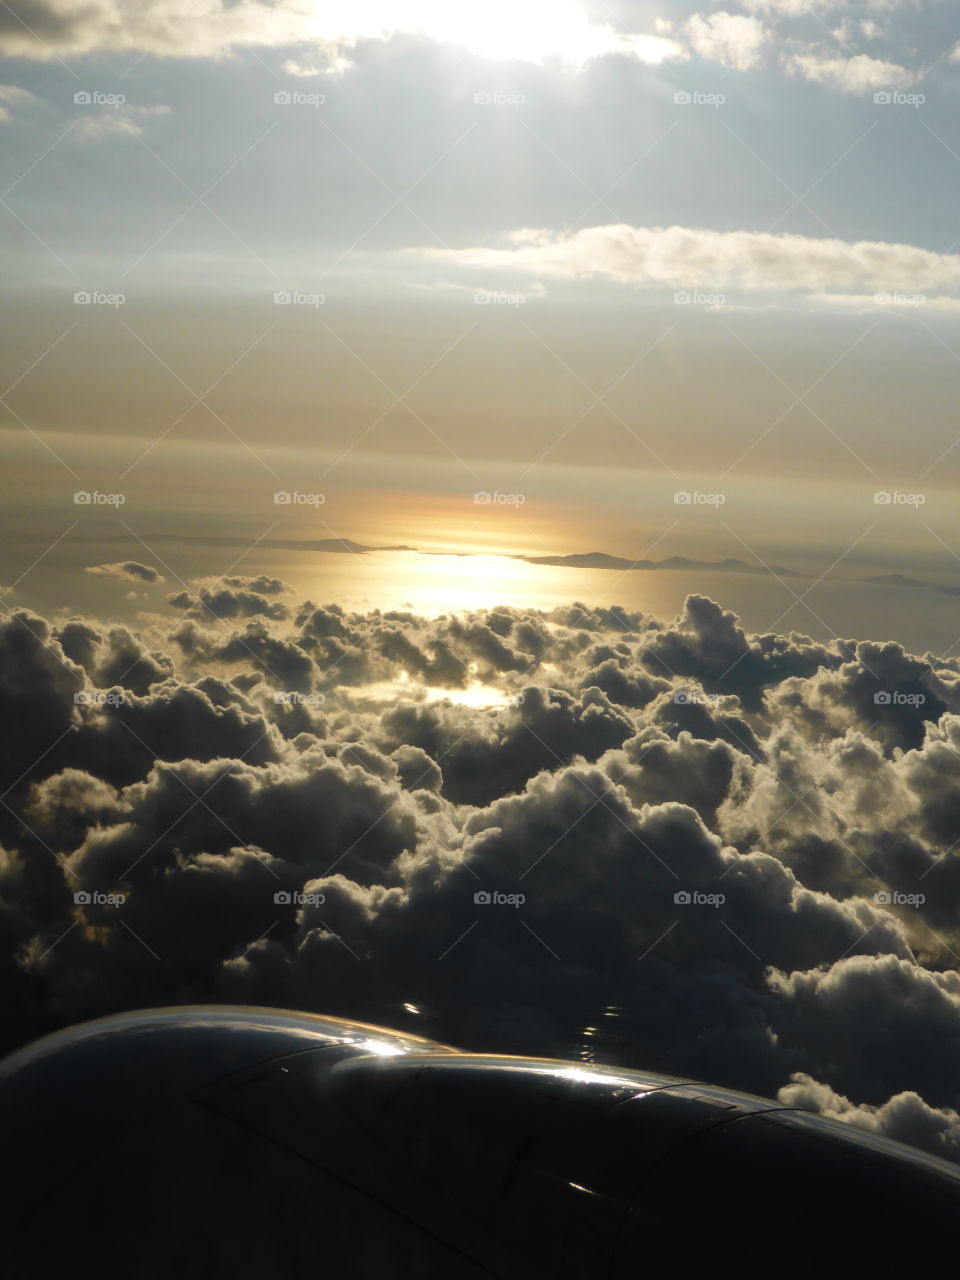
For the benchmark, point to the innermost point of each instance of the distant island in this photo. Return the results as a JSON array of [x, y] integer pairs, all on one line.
[[899, 580], [600, 560]]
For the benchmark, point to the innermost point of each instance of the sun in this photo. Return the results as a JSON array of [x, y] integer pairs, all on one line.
[[501, 30]]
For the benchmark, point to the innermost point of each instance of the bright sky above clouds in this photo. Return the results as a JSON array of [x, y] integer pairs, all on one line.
[[715, 219]]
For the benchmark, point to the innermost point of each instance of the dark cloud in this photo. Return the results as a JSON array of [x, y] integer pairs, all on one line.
[[228, 602], [129, 570], [263, 585], [587, 833]]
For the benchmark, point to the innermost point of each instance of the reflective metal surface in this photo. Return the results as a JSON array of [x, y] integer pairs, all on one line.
[[208, 1141]]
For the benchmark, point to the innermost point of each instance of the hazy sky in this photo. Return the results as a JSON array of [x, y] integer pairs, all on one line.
[[474, 286], [591, 254]]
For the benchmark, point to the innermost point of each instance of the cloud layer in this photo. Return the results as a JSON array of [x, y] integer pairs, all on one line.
[[697, 258], [777, 33], [676, 846]]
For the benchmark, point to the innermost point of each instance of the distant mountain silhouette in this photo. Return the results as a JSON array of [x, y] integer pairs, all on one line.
[[600, 560], [899, 580]]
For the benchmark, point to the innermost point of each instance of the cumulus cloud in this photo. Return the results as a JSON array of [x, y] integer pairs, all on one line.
[[237, 598], [732, 39], [857, 74], [130, 570], [671, 844], [12, 97], [530, 30], [697, 258], [904, 1117]]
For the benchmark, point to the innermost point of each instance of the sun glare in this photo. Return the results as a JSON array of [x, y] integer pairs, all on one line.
[[503, 30]]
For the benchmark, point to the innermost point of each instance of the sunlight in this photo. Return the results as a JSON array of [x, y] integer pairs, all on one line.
[[504, 30]]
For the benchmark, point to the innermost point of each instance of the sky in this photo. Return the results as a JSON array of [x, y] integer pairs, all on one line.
[[464, 446], [591, 255]]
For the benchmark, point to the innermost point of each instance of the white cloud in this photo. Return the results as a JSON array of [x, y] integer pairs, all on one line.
[[12, 96], [107, 123], [905, 1118], [691, 257], [859, 74], [798, 8], [303, 69], [731, 39], [527, 30]]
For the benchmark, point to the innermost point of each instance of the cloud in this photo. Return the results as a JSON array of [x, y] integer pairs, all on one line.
[[229, 602], [905, 1117], [130, 570], [121, 120], [692, 258], [525, 30], [672, 844], [12, 97], [858, 74], [733, 40]]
